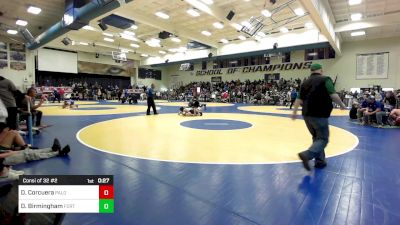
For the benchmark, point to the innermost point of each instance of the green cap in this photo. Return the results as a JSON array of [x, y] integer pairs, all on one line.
[[315, 67]]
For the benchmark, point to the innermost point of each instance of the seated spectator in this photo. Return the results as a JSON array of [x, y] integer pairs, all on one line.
[[362, 107], [389, 103], [372, 109], [225, 97], [353, 111], [36, 114]]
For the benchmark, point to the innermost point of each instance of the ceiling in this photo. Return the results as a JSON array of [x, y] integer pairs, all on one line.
[[372, 10], [189, 28], [52, 11], [186, 27]]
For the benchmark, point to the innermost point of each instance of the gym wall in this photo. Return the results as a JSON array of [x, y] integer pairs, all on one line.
[[343, 66]]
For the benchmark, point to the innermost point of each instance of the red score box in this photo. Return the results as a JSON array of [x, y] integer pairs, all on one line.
[[106, 192]]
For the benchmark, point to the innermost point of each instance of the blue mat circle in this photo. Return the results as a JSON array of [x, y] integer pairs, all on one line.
[[96, 108], [216, 124]]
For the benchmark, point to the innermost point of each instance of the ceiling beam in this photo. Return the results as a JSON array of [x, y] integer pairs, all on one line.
[[155, 22], [378, 21], [319, 13]]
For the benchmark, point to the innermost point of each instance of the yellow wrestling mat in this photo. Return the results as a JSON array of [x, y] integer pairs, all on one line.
[[92, 110], [285, 110], [209, 104], [76, 103], [253, 139]]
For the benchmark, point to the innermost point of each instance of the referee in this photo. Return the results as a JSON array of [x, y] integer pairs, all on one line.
[[150, 100], [316, 95]]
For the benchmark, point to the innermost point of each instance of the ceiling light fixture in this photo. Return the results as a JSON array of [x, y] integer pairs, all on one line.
[[224, 41], [208, 2], [34, 10], [182, 49], [162, 52], [354, 2], [109, 39], [134, 45], [193, 12], [144, 55], [127, 32], [284, 30], [12, 32], [266, 13], [261, 34], [21, 23], [218, 25], [356, 16], [153, 42], [162, 15], [246, 24], [358, 33], [299, 12], [175, 39], [309, 25], [241, 37], [68, 19], [134, 27], [206, 33], [83, 43], [108, 34], [87, 27], [128, 37], [237, 26]]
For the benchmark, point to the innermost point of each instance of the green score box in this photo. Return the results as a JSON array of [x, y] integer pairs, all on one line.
[[106, 206]]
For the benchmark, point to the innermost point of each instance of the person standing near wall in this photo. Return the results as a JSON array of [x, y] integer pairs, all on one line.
[[150, 100], [293, 96], [7, 93], [316, 95]]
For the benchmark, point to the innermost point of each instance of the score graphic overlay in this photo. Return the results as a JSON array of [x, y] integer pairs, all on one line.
[[66, 194]]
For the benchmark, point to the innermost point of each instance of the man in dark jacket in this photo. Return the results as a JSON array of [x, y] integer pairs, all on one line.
[[8, 91], [316, 95]]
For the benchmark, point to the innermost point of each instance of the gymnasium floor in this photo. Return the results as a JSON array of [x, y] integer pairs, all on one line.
[[235, 165]]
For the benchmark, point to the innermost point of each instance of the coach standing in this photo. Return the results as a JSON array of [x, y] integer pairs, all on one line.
[[150, 100], [316, 95]]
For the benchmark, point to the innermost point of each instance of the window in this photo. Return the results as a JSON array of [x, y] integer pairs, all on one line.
[[215, 64], [286, 57], [253, 60], [233, 63], [267, 60], [245, 61], [319, 53], [330, 53], [204, 65], [309, 54]]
